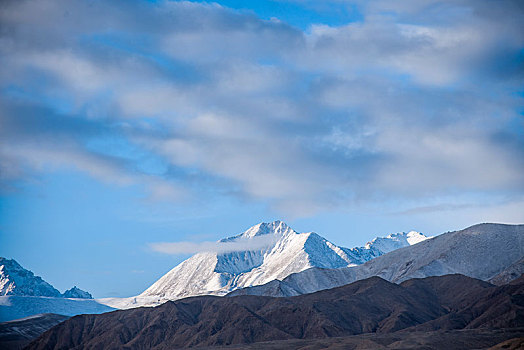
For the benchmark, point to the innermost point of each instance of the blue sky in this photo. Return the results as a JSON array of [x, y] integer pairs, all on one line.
[[128, 123]]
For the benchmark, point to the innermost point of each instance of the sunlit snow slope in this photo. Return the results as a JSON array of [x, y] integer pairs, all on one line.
[[285, 252], [15, 280], [490, 252]]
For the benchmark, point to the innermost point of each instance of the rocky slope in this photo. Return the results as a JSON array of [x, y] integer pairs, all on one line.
[[463, 339], [484, 251], [372, 305], [17, 334]]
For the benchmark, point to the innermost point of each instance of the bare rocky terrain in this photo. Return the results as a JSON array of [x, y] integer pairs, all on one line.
[[373, 308], [18, 333], [493, 339]]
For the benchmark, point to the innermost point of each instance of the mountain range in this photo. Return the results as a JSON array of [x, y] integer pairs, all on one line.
[[286, 252], [278, 261], [265, 252], [373, 305], [15, 280], [280, 251], [490, 252], [23, 294], [268, 273]]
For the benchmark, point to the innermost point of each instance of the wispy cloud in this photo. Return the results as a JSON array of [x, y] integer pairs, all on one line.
[[239, 244], [434, 208]]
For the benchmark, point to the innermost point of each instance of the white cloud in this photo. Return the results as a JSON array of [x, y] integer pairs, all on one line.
[[239, 244], [407, 103]]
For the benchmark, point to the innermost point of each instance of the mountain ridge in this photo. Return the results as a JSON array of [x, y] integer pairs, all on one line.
[[482, 251], [343, 311], [23, 294], [286, 252], [17, 280], [16, 334]]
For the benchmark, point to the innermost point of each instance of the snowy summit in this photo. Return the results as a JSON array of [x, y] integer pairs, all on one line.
[[76, 292], [272, 251], [16, 280]]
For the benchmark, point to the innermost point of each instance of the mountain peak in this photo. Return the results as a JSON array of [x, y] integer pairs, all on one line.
[[264, 228], [15, 280], [277, 227], [395, 241], [76, 292], [281, 252], [284, 251], [414, 237]]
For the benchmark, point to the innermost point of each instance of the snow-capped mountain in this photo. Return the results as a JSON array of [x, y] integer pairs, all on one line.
[[263, 253], [15, 280], [284, 251], [76, 292], [491, 252], [23, 294], [382, 245], [395, 241]]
